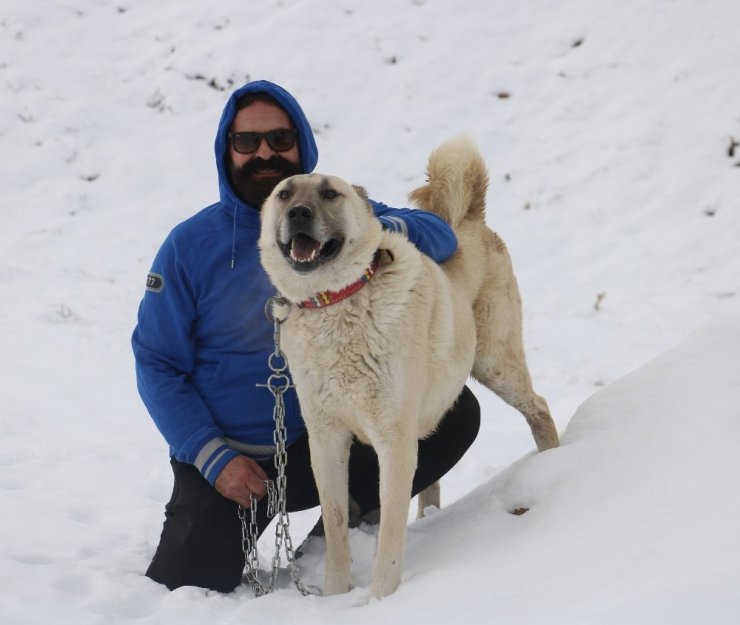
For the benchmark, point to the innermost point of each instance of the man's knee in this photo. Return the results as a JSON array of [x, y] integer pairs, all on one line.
[[176, 566]]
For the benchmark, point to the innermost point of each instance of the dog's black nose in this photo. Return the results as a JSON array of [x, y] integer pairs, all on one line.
[[300, 213]]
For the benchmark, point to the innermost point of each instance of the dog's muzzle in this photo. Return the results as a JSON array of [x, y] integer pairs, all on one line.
[[303, 247]]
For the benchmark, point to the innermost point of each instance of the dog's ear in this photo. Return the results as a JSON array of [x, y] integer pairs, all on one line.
[[361, 192]]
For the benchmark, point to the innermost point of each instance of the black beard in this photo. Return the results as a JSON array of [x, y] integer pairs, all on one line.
[[254, 191]]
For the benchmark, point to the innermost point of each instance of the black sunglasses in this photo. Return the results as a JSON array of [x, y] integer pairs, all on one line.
[[280, 140]]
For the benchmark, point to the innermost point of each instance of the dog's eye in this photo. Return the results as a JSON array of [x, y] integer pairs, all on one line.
[[329, 194], [283, 195]]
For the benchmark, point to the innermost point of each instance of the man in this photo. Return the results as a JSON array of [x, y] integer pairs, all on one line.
[[202, 345]]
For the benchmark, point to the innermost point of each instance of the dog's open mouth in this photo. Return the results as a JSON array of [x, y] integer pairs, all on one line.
[[305, 253]]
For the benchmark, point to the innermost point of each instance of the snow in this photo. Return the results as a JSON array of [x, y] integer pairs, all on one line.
[[607, 128]]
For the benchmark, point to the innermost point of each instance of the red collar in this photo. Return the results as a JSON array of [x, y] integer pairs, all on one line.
[[327, 298]]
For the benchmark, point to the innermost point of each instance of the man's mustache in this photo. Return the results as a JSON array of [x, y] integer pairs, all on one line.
[[277, 163]]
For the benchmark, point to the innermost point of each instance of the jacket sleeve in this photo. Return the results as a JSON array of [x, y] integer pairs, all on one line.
[[165, 359], [430, 233]]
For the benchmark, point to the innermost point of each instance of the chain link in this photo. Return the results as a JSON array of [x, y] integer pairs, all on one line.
[[249, 538], [278, 383]]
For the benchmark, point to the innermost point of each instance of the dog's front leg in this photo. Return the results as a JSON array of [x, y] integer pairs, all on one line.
[[397, 457], [330, 463]]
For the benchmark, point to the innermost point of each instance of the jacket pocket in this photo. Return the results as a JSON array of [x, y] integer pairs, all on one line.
[[219, 375]]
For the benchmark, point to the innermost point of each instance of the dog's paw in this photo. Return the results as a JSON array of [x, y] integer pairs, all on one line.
[[384, 587], [337, 587]]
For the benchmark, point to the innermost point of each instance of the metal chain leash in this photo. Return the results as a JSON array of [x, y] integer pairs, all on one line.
[[278, 383], [249, 539]]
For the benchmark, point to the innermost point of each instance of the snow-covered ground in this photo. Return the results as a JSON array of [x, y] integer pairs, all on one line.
[[610, 130]]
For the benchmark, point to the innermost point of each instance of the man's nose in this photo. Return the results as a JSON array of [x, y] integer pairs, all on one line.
[[264, 151]]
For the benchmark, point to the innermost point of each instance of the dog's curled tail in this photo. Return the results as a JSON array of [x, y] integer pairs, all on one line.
[[457, 182]]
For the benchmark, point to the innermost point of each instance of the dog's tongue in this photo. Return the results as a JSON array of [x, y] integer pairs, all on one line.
[[303, 248]]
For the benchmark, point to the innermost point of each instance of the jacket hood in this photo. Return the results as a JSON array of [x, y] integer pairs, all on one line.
[[306, 142]]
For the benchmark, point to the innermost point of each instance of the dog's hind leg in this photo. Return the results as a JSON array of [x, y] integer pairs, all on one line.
[[330, 461], [511, 381], [500, 364], [504, 371], [428, 497]]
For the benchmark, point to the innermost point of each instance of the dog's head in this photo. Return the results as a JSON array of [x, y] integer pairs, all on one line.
[[319, 233]]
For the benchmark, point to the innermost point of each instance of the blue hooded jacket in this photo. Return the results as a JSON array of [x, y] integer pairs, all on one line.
[[202, 341]]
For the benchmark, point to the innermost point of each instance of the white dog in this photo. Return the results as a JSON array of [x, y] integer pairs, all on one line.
[[389, 357]]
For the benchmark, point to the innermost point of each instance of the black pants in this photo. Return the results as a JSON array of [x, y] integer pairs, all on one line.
[[201, 537]]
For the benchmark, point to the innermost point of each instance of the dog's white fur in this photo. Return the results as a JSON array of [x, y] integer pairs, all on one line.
[[387, 363]]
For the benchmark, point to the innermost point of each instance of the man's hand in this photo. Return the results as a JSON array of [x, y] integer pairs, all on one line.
[[241, 477]]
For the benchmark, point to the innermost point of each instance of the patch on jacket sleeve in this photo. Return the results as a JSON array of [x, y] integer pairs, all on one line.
[[154, 282]]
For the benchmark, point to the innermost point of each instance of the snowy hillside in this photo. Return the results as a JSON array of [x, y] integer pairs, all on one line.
[[611, 132]]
